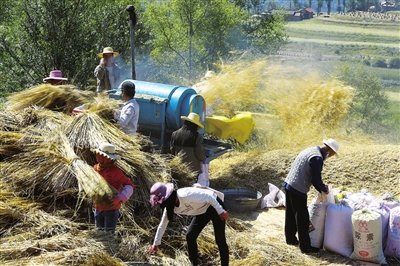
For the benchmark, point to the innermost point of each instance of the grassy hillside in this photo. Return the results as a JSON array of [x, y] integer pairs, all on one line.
[[322, 43]]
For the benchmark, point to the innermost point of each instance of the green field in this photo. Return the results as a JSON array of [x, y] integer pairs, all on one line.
[[334, 37], [329, 42], [394, 96]]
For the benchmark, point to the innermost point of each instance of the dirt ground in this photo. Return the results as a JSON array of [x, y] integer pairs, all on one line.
[[268, 224]]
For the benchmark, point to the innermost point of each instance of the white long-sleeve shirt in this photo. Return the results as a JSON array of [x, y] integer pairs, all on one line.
[[129, 116], [192, 201]]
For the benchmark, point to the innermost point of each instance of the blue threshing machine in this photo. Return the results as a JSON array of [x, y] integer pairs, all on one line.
[[161, 108]]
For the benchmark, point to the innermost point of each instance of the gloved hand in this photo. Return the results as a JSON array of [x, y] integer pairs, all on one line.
[[206, 160], [153, 249], [117, 201], [224, 216]]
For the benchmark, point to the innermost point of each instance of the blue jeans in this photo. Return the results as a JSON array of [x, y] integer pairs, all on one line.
[[106, 220]]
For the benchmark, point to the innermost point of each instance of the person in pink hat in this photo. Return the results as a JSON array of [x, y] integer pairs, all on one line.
[[107, 72], [203, 203], [55, 78]]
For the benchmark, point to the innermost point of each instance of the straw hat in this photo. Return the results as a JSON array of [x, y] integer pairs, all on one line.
[[194, 118], [160, 192], [108, 50], [107, 150], [55, 74], [333, 144]]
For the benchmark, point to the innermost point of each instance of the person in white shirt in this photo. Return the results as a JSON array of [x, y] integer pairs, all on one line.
[[201, 202], [129, 116]]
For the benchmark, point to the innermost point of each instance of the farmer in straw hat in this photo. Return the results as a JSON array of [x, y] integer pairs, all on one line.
[[189, 142], [204, 204], [305, 171], [106, 214], [55, 78], [107, 72]]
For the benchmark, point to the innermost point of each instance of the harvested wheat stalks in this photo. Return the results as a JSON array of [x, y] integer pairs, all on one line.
[[50, 165], [56, 98], [8, 143], [88, 130], [103, 106]]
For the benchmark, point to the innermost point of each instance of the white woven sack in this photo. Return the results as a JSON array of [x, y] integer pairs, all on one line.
[[393, 242], [269, 200], [317, 211], [367, 236], [378, 206], [338, 236], [359, 201]]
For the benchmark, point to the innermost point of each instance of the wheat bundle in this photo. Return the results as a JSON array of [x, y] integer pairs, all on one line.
[[92, 183], [103, 106], [181, 172], [13, 211], [51, 166], [56, 98], [33, 116], [64, 249], [36, 116], [8, 143], [88, 130], [10, 121], [143, 174]]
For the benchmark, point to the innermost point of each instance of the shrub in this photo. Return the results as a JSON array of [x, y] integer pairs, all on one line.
[[366, 62], [378, 62], [394, 63]]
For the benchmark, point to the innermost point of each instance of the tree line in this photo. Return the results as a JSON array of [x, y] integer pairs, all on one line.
[[175, 41]]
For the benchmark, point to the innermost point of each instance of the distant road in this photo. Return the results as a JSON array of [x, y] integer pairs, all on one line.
[[303, 40], [360, 22]]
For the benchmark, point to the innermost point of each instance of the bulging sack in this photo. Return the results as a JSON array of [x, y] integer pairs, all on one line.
[[393, 241], [317, 211], [338, 229], [367, 236]]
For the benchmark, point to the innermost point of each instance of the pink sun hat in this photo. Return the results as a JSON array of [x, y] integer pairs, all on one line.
[[55, 74], [160, 192]]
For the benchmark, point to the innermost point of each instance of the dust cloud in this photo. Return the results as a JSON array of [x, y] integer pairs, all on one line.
[[288, 105]]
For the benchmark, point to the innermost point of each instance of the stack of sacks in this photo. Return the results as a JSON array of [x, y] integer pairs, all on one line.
[[269, 201], [346, 223]]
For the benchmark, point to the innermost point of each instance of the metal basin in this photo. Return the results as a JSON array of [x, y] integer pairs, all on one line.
[[241, 199]]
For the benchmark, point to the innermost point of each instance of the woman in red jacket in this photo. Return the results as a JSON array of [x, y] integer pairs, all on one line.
[[106, 215]]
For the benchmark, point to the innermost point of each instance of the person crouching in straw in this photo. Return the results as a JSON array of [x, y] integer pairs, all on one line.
[[201, 202], [106, 214]]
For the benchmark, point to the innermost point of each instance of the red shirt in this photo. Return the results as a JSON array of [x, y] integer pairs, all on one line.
[[116, 178]]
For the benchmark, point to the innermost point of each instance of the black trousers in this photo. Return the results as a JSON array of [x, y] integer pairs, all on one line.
[[197, 225], [297, 220]]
